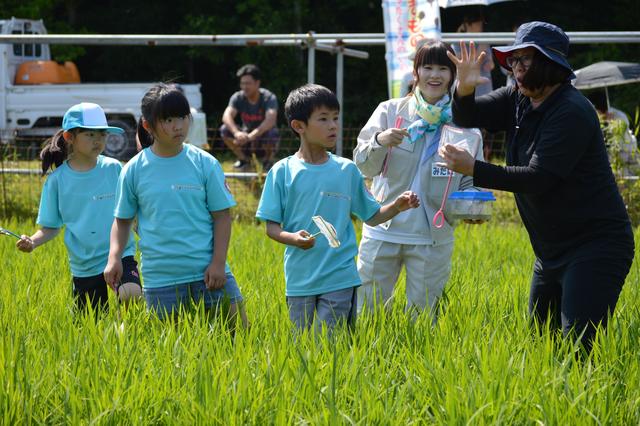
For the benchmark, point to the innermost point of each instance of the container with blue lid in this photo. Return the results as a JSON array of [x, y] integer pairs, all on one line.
[[472, 205]]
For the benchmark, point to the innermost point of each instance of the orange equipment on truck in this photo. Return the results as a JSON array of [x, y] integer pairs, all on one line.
[[47, 72]]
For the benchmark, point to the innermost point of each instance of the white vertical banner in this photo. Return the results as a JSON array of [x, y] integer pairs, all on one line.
[[406, 22]]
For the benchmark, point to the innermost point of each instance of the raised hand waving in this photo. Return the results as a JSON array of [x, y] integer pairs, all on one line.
[[468, 67]]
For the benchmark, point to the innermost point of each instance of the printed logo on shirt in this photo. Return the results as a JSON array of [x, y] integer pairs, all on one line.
[[253, 118], [437, 171], [180, 187], [104, 196], [335, 195]]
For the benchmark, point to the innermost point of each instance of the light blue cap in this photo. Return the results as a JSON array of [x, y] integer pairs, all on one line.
[[87, 116]]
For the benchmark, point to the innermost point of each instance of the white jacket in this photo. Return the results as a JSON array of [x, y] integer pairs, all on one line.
[[403, 165]]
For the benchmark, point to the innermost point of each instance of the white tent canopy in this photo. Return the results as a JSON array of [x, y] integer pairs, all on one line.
[[455, 3]]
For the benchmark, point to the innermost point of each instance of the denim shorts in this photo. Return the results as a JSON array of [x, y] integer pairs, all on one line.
[[170, 298], [327, 309]]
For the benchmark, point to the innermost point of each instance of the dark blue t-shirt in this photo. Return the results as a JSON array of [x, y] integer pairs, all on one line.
[[251, 115]]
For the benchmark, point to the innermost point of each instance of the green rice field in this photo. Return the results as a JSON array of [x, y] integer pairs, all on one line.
[[481, 363]]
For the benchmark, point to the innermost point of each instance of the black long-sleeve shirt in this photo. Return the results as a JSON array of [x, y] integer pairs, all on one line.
[[558, 169]]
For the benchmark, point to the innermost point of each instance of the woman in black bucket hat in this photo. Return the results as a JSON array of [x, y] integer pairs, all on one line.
[[558, 170]]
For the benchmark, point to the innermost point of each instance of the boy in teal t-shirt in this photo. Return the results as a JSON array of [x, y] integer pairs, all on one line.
[[320, 280]]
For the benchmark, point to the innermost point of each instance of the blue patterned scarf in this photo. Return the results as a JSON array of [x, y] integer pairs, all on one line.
[[432, 116]]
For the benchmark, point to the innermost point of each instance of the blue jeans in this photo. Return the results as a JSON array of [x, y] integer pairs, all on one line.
[[168, 300], [328, 309]]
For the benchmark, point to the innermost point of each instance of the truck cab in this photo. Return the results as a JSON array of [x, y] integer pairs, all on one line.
[[33, 111], [19, 53]]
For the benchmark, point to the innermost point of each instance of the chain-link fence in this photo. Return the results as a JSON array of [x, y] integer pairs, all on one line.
[[21, 180]]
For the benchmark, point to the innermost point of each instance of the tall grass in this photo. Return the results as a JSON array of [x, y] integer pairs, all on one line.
[[480, 363]]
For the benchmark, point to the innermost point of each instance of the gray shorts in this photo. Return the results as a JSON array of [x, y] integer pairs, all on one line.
[[270, 137], [330, 309]]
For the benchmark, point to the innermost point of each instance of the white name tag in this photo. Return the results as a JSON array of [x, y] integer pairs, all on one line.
[[437, 171]]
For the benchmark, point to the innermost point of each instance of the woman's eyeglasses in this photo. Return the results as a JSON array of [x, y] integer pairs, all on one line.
[[525, 60]]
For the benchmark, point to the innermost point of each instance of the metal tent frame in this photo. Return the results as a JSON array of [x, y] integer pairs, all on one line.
[[335, 43]]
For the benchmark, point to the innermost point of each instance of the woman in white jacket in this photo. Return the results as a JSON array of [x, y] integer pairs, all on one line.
[[398, 149]]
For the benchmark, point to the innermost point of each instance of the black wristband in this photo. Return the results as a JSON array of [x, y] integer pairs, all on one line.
[[375, 139]]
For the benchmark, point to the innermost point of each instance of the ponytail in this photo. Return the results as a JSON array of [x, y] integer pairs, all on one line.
[[144, 137], [54, 152]]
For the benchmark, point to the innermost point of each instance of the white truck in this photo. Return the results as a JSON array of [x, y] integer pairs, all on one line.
[[34, 111]]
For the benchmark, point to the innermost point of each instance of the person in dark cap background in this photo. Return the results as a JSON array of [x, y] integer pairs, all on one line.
[[557, 167], [473, 21]]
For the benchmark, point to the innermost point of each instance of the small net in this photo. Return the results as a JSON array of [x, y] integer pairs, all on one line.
[[327, 230]]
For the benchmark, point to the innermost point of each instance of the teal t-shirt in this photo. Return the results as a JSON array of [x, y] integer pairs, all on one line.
[[173, 199], [83, 203], [295, 191]]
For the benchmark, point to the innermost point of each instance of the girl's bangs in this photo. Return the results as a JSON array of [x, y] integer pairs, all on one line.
[[172, 104], [435, 55]]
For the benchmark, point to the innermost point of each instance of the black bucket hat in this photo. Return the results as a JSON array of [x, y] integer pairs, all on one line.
[[547, 38]]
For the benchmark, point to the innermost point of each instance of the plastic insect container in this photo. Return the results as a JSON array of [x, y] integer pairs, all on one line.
[[472, 205], [468, 139]]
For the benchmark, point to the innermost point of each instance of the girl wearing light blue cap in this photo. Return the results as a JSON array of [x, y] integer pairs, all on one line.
[[79, 194], [397, 148], [179, 194]]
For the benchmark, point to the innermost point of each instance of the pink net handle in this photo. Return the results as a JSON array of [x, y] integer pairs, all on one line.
[[438, 218], [396, 125]]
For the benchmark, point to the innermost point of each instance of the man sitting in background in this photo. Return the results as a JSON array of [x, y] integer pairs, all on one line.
[[258, 111]]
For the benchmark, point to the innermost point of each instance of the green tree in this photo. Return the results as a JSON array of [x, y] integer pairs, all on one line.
[[285, 67]]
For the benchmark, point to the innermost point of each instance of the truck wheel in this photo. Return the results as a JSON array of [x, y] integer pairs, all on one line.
[[121, 146]]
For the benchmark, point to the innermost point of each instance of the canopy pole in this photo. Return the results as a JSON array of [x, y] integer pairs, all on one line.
[[311, 58], [339, 95]]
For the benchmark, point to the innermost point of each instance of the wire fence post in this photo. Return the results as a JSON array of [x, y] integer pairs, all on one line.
[[3, 148], [339, 95]]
